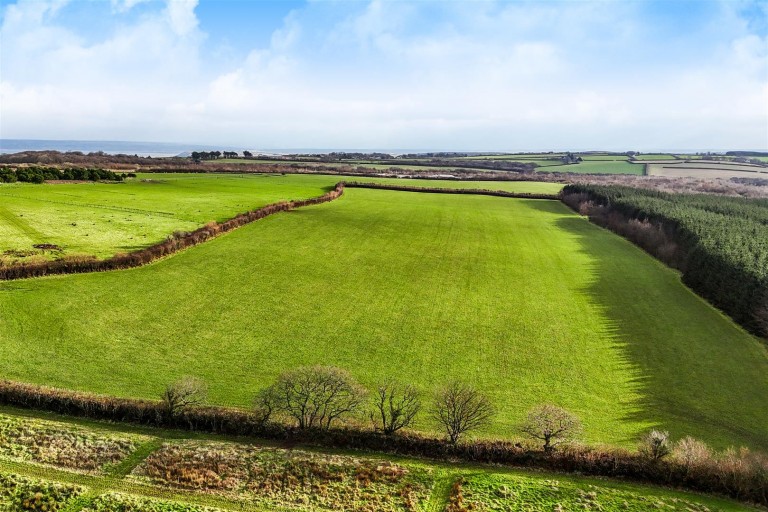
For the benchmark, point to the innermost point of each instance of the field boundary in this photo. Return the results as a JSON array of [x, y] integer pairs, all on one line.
[[439, 190], [174, 243], [183, 240], [739, 479]]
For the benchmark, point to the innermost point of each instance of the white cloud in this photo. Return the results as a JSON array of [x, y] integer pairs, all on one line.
[[472, 76]]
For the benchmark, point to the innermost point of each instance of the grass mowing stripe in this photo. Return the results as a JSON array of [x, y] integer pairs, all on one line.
[[522, 298]]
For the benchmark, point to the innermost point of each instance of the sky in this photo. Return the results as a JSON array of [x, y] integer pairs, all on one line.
[[451, 75]]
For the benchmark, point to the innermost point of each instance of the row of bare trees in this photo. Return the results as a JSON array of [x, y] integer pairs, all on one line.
[[317, 397]]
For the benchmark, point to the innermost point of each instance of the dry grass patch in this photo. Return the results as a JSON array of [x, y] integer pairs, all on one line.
[[274, 477]]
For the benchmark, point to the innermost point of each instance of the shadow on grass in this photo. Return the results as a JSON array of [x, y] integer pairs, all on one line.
[[692, 369]]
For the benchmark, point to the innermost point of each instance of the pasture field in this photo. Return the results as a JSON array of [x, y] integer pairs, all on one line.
[[598, 167], [104, 219], [603, 158], [171, 473], [656, 156], [522, 298]]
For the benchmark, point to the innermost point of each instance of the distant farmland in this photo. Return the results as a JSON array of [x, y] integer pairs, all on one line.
[[520, 297], [707, 169]]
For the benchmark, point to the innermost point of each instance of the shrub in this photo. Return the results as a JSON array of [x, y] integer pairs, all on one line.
[[654, 445]]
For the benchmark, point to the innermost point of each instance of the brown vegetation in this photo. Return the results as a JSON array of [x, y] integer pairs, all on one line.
[[740, 474]]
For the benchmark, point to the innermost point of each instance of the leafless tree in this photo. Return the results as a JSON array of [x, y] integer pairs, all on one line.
[[459, 408], [551, 424], [183, 393], [394, 407], [264, 404], [316, 396]]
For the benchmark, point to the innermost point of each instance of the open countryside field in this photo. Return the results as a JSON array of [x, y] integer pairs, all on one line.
[[103, 219], [522, 298], [655, 156], [598, 167], [136, 469]]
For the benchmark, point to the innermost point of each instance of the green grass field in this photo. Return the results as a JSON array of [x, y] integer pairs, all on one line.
[[655, 156], [598, 167], [104, 219], [603, 158], [522, 298]]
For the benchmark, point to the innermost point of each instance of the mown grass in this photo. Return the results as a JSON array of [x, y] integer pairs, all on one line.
[[656, 156], [522, 298], [598, 167], [104, 219]]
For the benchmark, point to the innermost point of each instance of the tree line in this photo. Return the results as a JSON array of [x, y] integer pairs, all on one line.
[[719, 243], [687, 463], [39, 174]]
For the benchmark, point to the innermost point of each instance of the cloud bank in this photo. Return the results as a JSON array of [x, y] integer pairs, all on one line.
[[450, 75]]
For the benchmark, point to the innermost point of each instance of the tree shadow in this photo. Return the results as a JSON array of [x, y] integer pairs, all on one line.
[[695, 372]]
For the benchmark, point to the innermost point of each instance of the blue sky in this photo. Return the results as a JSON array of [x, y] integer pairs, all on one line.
[[464, 75]]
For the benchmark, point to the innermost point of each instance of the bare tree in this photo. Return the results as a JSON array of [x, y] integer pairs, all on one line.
[[459, 408], [316, 396], [551, 424], [394, 407], [183, 393], [264, 404]]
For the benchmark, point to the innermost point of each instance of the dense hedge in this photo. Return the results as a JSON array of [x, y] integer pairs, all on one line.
[[174, 243], [742, 476], [439, 190], [722, 242], [37, 174]]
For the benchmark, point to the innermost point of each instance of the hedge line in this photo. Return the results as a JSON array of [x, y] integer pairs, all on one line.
[[741, 477], [174, 243], [438, 190]]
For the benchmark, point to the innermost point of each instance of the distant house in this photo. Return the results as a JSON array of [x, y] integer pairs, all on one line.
[[570, 158]]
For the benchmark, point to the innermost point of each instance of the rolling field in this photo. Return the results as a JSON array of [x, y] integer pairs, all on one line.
[[522, 298], [598, 167], [104, 219]]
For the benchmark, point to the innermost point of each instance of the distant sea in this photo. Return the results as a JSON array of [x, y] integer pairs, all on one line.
[[112, 147], [160, 149]]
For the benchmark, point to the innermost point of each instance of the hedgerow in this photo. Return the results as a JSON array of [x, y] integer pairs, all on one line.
[[740, 474], [39, 174]]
